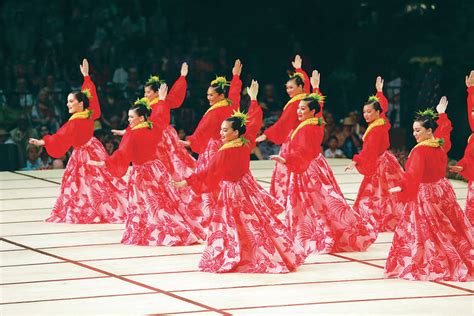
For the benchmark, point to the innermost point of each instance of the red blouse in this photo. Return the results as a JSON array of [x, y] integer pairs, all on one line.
[[210, 125], [229, 164], [174, 100], [427, 164], [75, 132], [376, 142], [137, 146], [304, 147], [278, 132], [467, 162]]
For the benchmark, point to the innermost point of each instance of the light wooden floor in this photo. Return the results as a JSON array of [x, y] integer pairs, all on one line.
[[48, 269]]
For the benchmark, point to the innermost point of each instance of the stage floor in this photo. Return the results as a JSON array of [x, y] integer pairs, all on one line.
[[83, 269]]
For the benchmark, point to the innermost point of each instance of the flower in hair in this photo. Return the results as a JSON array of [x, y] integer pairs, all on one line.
[[143, 101], [243, 117], [316, 96], [154, 79], [373, 99], [87, 93], [220, 81], [428, 112], [297, 74]]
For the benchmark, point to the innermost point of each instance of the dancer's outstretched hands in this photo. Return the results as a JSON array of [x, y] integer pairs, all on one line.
[[278, 158], [184, 69], [350, 166], [297, 62], [185, 143], [163, 91], [253, 90], [379, 84], [36, 142], [261, 138], [118, 132], [395, 190], [95, 163], [315, 79], [179, 184], [237, 69], [84, 67], [443, 104], [470, 79], [456, 169]]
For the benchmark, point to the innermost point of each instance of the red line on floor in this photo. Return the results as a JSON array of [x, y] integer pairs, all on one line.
[[69, 232], [119, 277], [381, 267], [329, 302]]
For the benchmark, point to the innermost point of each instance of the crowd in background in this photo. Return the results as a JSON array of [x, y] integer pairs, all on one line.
[[126, 42]]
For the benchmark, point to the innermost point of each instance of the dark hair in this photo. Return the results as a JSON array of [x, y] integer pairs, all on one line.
[[313, 104], [298, 80], [375, 105], [219, 89], [141, 110], [427, 121], [236, 124], [333, 137], [155, 86], [81, 97]]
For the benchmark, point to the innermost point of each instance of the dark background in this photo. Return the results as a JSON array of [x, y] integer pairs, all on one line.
[[428, 44]]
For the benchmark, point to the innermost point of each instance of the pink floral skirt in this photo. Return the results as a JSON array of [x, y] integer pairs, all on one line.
[[318, 216], [470, 203], [374, 198], [89, 194], [433, 240], [280, 178], [157, 214], [245, 235], [178, 162]]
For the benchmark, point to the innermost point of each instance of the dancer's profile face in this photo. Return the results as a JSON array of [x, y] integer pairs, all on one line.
[[134, 119], [370, 114], [213, 97], [227, 132], [420, 133], [150, 94], [303, 111], [73, 105], [292, 89]]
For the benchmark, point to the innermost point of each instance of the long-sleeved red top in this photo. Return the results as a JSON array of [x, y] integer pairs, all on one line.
[[304, 145], [232, 161], [467, 162], [210, 124], [137, 146], [174, 100], [77, 131], [278, 132], [427, 164], [375, 141]]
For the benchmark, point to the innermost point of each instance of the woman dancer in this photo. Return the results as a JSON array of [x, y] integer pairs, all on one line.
[[206, 140], [297, 87], [156, 213], [174, 157], [379, 166], [87, 195], [244, 234], [466, 165], [433, 239], [317, 215]]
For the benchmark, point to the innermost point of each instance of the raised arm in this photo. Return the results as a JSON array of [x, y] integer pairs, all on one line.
[[382, 99], [315, 81], [177, 93], [444, 124], [94, 105], [470, 99], [297, 63], [236, 85], [255, 114]]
